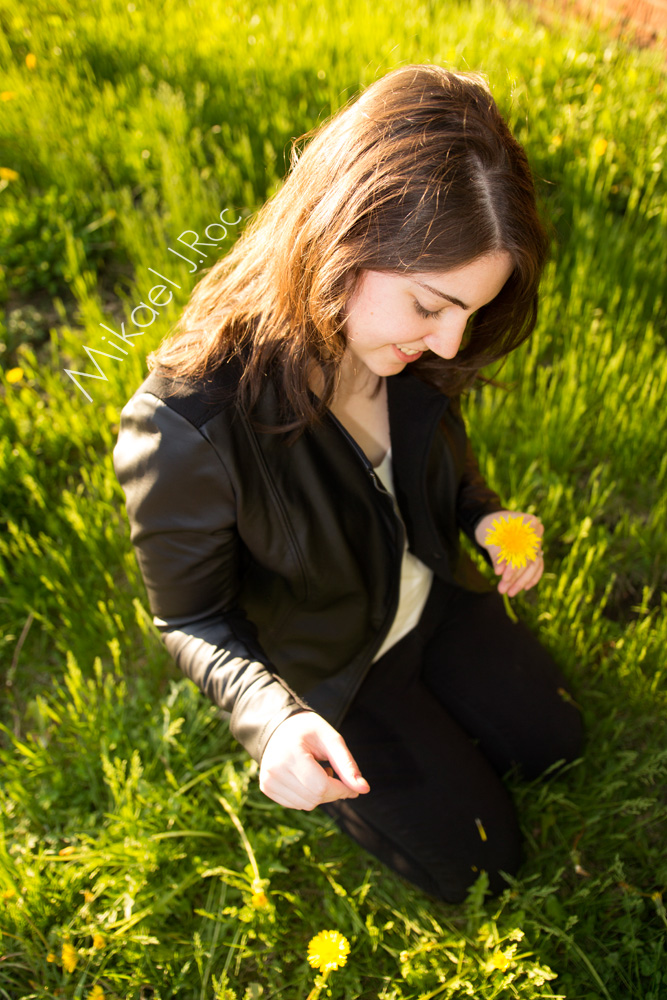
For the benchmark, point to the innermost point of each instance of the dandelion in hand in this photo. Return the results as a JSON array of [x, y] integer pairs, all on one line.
[[518, 542], [327, 952]]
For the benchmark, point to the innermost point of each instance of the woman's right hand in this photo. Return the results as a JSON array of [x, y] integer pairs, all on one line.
[[290, 774]]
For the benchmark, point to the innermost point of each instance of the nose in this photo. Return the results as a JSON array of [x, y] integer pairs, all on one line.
[[445, 341]]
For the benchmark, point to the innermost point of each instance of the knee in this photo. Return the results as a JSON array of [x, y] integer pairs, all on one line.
[[562, 742], [495, 848], [455, 888]]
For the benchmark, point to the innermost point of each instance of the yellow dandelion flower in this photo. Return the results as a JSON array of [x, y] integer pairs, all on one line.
[[97, 993], [69, 957], [500, 961], [31, 60], [88, 896], [50, 957], [518, 542], [600, 147], [7, 95], [597, 89], [7, 174], [9, 893], [99, 941], [328, 950]]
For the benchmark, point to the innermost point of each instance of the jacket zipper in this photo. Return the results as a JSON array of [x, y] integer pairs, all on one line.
[[389, 617]]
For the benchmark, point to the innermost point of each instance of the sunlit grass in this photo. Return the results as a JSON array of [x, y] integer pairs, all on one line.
[[137, 855]]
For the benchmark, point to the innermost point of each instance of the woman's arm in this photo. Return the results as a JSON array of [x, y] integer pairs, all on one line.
[[475, 498], [477, 507], [182, 514]]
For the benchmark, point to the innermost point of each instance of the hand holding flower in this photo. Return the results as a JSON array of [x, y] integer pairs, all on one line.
[[513, 540]]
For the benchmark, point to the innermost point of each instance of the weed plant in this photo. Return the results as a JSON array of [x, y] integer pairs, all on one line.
[[138, 858]]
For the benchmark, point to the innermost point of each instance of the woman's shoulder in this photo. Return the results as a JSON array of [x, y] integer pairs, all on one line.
[[198, 400]]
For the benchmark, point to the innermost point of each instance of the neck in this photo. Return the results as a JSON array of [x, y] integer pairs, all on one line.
[[356, 378]]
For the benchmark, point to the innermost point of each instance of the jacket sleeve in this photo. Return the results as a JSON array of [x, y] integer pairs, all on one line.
[[475, 498], [182, 515]]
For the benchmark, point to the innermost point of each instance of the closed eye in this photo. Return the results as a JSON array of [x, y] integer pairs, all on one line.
[[425, 312]]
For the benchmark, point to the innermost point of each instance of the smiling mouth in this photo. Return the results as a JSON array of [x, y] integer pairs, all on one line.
[[408, 352]]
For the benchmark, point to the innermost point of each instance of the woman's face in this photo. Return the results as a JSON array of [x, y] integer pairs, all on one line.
[[385, 325]]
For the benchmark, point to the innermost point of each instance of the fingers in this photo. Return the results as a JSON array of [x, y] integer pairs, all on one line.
[[344, 764], [515, 580], [303, 785], [290, 773]]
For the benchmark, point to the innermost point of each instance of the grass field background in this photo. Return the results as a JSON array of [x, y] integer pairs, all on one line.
[[138, 858]]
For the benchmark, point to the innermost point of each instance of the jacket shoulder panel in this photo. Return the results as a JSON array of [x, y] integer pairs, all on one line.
[[198, 401]]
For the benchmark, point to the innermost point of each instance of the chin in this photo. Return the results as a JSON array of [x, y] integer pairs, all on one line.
[[390, 367]]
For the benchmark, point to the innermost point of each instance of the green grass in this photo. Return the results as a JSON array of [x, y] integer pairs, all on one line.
[[126, 808]]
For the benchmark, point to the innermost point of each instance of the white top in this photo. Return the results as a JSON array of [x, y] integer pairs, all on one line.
[[416, 578]]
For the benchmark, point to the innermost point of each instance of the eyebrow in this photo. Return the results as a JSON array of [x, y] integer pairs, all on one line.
[[442, 295]]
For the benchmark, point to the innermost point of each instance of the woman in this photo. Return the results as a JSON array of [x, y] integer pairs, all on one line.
[[296, 470]]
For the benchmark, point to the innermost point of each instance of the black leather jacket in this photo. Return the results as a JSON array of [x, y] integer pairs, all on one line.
[[272, 569]]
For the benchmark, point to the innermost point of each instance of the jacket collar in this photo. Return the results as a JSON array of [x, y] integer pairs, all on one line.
[[415, 408]]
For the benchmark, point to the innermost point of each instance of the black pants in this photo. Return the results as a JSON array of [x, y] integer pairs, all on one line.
[[439, 718]]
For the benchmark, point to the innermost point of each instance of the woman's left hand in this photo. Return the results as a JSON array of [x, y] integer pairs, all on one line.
[[512, 579]]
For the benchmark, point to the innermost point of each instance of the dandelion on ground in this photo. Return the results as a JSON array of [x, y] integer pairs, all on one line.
[[50, 957], [7, 174], [327, 951], [600, 147], [99, 941], [97, 993], [500, 961], [69, 957], [31, 60], [7, 95]]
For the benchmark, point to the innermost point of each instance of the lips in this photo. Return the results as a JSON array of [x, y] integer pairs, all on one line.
[[407, 355]]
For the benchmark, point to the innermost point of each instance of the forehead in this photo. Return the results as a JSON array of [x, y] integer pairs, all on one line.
[[483, 277]]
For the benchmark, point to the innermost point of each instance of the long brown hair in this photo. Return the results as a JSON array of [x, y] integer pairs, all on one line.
[[419, 173]]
